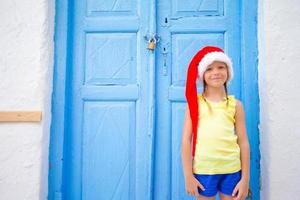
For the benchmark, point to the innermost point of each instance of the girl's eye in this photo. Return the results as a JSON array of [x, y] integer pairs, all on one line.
[[208, 69], [221, 67]]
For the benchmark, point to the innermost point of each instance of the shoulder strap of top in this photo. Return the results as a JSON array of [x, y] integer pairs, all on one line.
[[232, 103], [231, 99]]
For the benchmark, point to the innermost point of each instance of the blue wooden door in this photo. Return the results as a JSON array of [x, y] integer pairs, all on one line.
[[118, 107], [108, 127], [185, 27]]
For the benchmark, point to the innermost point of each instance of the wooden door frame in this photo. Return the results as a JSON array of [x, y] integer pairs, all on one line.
[[61, 61], [249, 89], [249, 61]]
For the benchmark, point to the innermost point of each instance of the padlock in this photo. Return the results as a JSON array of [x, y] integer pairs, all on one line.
[[152, 43]]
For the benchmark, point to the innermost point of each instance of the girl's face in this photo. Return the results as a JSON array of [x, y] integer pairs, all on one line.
[[216, 74]]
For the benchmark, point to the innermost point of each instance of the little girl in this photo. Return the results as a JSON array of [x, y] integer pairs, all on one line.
[[214, 128]]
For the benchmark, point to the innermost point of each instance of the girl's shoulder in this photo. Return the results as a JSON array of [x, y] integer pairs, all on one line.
[[237, 101]]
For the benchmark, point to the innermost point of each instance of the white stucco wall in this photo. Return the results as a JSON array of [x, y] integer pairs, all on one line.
[[279, 84], [26, 65]]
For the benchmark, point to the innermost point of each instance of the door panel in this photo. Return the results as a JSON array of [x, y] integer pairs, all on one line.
[[107, 152], [185, 27]]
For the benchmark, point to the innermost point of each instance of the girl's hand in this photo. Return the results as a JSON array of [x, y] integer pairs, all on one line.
[[240, 191], [191, 186]]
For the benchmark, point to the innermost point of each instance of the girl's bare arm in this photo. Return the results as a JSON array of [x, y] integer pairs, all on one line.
[[243, 142], [186, 145]]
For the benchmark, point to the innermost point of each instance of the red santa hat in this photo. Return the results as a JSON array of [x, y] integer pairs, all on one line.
[[199, 63]]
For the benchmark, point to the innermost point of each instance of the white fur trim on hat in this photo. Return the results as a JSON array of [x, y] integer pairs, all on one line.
[[209, 58]]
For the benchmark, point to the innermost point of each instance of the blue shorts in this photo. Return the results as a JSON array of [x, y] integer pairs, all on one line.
[[224, 183]]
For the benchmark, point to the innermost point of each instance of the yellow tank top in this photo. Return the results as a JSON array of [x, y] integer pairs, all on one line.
[[217, 150]]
